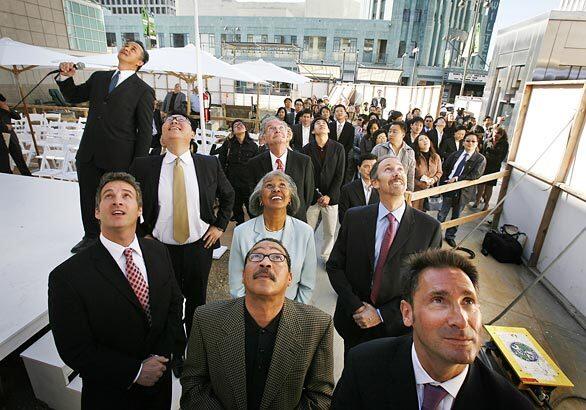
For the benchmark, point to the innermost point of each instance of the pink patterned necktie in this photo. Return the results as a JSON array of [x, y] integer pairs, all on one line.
[[382, 256], [137, 283], [432, 396], [280, 166]]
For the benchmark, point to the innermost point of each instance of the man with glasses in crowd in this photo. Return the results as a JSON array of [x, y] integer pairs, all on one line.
[[279, 157], [179, 191], [119, 126], [261, 350], [465, 164]]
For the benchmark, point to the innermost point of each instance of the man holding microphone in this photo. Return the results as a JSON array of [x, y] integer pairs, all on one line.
[[118, 129]]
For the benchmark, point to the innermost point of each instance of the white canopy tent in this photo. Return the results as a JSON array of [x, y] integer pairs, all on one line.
[[271, 72], [18, 57]]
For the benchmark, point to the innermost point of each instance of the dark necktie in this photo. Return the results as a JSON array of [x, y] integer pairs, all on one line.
[[432, 396], [113, 81], [460, 166], [382, 256]]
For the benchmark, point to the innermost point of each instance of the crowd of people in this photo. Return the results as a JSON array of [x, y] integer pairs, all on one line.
[[129, 308]]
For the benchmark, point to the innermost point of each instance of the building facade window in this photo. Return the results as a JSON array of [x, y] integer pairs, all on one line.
[[279, 39], [406, 15], [231, 38], [126, 37], [344, 44], [417, 16], [208, 42], [314, 47], [402, 48], [85, 26], [111, 39], [367, 50], [180, 39]]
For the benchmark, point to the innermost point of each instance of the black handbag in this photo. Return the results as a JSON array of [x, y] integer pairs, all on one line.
[[504, 246]]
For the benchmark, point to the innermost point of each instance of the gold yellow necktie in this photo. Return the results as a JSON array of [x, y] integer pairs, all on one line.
[[180, 220]]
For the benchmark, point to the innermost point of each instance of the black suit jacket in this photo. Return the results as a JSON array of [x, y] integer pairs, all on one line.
[[448, 146], [119, 125], [212, 184], [433, 137], [351, 266], [156, 140], [352, 195], [379, 375], [297, 141], [298, 167], [101, 330], [329, 175], [346, 136], [473, 169]]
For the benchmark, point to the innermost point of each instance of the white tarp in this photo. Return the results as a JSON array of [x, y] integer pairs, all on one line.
[[21, 54], [180, 60], [271, 72]]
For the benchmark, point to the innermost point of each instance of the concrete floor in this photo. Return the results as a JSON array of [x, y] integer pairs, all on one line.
[[538, 311]]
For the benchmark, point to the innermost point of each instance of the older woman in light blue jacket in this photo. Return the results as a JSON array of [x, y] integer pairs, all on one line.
[[274, 199]]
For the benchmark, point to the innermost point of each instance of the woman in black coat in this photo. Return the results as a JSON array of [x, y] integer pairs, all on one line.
[[495, 151], [367, 142]]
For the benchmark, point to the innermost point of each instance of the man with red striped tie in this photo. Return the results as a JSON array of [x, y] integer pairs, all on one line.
[[115, 307], [367, 263]]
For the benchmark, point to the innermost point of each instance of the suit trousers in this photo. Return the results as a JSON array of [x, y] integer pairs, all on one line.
[[350, 171], [241, 195], [88, 178], [329, 218], [453, 203], [191, 264], [13, 149]]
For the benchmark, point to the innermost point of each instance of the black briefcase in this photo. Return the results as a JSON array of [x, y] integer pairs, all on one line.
[[503, 246]]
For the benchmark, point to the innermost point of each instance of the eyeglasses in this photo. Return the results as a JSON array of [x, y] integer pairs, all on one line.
[[273, 257], [178, 118]]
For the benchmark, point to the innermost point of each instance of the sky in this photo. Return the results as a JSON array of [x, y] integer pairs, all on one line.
[[514, 11]]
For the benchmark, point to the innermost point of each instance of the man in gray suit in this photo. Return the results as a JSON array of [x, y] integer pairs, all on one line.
[[261, 351], [175, 100]]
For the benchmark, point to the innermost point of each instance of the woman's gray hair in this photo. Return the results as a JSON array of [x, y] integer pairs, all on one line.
[[255, 202]]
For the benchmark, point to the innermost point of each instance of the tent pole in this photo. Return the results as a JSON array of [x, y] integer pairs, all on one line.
[[26, 113], [200, 84], [257, 122]]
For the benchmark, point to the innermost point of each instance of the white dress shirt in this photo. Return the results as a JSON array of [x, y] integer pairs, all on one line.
[[382, 223], [460, 159], [124, 74], [452, 386], [163, 230], [440, 136], [367, 188], [283, 159], [339, 128], [305, 133], [117, 252]]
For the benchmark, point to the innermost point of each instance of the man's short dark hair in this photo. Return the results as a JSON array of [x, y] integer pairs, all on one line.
[[416, 119], [379, 132], [306, 111], [470, 132], [325, 107], [428, 116], [285, 100], [182, 113], [298, 100], [316, 120], [118, 176], [278, 242], [487, 117], [339, 105], [2, 98], [415, 109], [435, 258], [145, 53], [460, 128], [367, 157], [400, 124]]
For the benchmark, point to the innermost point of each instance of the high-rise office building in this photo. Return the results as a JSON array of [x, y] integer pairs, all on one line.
[[166, 7]]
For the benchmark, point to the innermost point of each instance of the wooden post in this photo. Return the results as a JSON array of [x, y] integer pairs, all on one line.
[[513, 150], [16, 72], [257, 116], [562, 174]]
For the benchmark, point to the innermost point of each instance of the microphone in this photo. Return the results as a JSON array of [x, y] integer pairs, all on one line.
[[77, 66]]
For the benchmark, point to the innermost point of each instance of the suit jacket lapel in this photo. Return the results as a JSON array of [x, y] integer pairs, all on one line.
[[109, 269], [259, 228], [233, 349], [403, 233], [266, 161], [360, 192], [199, 170], [471, 389], [370, 229], [123, 86], [402, 390], [287, 348], [155, 177]]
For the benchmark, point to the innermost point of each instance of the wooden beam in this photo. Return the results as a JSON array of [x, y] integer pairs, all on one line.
[[571, 191], [556, 83], [456, 185], [465, 219], [562, 174], [531, 173]]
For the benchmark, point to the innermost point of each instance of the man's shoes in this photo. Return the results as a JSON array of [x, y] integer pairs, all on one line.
[[451, 242], [177, 366], [86, 242]]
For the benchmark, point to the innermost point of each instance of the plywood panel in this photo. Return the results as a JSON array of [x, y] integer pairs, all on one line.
[[546, 117]]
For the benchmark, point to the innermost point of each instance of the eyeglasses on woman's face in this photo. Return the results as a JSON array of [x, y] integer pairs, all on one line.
[[178, 118]]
